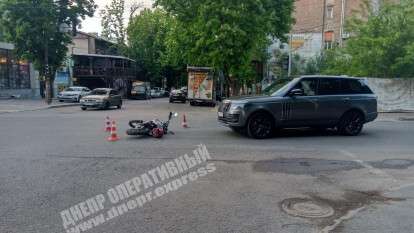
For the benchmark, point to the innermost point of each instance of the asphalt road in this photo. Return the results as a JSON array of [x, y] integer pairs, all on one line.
[[298, 181]]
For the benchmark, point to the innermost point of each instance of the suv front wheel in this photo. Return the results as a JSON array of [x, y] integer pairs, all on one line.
[[260, 125], [351, 123]]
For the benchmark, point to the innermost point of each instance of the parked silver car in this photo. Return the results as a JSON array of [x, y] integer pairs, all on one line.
[[102, 98], [73, 94]]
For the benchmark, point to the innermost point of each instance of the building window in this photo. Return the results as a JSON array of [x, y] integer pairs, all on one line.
[[4, 80], [329, 39], [329, 12], [328, 44], [14, 73]]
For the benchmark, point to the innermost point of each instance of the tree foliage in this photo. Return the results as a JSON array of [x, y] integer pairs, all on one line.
[[226, 34], [380, 46], [112, 21], [35, 27], [147, 35]]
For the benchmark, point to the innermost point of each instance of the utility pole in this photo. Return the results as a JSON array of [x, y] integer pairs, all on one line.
[[323, 24], [290, 56], [48, 88], [341, 30]]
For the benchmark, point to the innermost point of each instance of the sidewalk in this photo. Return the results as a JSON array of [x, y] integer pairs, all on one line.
[[401, 116], [21, 105]]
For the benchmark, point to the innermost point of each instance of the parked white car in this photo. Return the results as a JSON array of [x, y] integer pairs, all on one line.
[[156, 92], [73, 94]]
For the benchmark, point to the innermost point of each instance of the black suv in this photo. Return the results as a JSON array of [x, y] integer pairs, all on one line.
[[310, 101]]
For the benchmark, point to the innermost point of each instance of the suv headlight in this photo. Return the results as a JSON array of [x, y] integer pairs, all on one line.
[[236, 108]]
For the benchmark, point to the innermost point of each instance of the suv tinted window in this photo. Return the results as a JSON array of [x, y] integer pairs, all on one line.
[[308, 86], [330, 86], [355, 86], [113, 92]]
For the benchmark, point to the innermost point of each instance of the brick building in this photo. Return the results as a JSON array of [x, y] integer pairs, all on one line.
[[320, 23]]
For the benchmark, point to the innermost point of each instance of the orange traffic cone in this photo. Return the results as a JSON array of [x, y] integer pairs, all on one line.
[[114, 136], [184, 123], [108, 124]]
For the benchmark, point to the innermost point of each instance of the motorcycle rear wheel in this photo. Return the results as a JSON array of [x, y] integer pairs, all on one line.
[[136, 132]]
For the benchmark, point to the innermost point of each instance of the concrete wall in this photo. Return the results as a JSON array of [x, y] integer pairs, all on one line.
[[393, 94]]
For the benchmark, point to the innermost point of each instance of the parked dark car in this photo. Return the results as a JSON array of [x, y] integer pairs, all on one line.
[[102, 98], [184, 90], [178, 95], [140, 92], [310, 101]]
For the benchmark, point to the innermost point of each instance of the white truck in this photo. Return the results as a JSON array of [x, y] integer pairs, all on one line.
[[201, 86]]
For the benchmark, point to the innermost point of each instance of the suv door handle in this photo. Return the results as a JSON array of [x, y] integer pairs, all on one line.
[[346, 98]]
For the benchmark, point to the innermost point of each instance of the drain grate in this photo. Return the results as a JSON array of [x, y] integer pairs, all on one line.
[[307, 208]]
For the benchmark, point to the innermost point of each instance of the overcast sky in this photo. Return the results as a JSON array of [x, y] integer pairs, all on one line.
[[94, 24]]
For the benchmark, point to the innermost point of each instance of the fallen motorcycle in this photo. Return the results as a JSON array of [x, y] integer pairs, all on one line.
[[154, 128]]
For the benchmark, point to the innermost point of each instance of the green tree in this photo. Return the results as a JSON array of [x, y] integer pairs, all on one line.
[[35, 27], [381, 45], [112, 21], [227, 34], [147, 35], [315, 65]]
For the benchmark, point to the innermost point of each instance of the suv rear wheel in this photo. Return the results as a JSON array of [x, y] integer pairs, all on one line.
[[351, 123], [260, 125]]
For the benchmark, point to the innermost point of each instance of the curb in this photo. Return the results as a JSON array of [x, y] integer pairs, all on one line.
[[62, 105], [396, 111], [43, 108]]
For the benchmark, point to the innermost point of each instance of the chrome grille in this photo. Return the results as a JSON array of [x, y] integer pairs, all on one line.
[[226, 107]]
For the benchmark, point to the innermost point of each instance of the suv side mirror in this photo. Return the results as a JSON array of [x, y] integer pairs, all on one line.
[[296, 92]]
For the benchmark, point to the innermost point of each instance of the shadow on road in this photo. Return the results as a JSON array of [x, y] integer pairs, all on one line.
[[299, 132]]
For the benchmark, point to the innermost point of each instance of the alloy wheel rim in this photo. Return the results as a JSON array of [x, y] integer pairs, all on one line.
[[354, 124], [261, 126]]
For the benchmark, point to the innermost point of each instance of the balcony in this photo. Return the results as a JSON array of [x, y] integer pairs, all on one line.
[[103, 66]]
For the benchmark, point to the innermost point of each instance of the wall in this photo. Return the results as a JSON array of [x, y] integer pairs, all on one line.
[[307, 45], [393, 94], [80, 45], [308, 15]]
